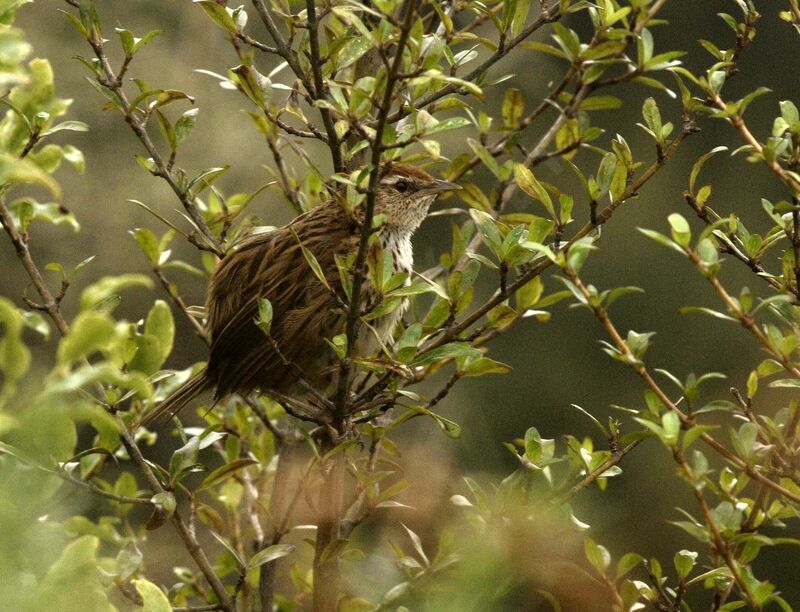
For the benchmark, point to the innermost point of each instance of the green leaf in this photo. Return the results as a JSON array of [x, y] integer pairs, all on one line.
[[600, 103], [406, 346], [533, 445], [14, 171], [605, 173], [528, 183], [652, 117], [487, 227], [184, 457], [672, 428], [597, 555], [528, 295], [165, 505], [352, 51], [684, 562], [148, 242], [90, 331], [513, 107], [708, 311], [72, 581], [452, 350], [226, 471], [484, 365], [312, 262], [109, 286], [161, 325], [452, 123], [153, 598], [73, 126], [698, 165], [206, 178], [661, 239], [681, 232], [628, 562], [185, 124], [218, 14], [539, 229], [270, 553], [264, 319], [484, 155]]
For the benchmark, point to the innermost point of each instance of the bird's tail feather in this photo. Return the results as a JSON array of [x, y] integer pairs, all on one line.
[[179, 398]]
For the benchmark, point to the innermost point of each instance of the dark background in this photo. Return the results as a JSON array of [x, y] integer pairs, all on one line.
[[554, 364]]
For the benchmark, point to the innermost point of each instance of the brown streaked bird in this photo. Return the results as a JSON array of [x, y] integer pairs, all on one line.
[[272, 266]]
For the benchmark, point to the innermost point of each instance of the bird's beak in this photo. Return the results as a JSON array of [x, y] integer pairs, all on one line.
[[439, 186]]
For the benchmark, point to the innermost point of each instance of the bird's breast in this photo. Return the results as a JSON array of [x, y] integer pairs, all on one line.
[[399, 245]]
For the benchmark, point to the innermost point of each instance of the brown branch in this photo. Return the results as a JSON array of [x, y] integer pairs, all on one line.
[[278, 504], [320, 87], [52, 309], [548, 15], [185, 531], [176, 298], [738, 122], [315, 88], [50, 304], [112, 81], [734, 246], [719, 543], [745, 319], [255, 43], [644, 374], [283, 48], [616, 457], [354, 310], [602, 217], [283, 174]]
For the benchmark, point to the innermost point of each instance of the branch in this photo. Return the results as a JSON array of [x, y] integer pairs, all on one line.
[[738, 122], [133, 450], [735, 246], [720, 544], [51, 305], [548, 15], [316, 89], [602, 217], [369, 209], [615, 458], [641, 370], [745, 319], [173, 294], [320, 87], [185, 531], [113, 81]]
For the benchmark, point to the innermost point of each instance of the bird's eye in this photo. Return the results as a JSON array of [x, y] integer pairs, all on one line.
[[402, 186]]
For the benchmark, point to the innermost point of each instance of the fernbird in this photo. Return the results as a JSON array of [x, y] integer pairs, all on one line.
[[305, 312]]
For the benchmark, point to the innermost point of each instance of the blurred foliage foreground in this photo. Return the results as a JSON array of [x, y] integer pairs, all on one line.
[[260, 506]]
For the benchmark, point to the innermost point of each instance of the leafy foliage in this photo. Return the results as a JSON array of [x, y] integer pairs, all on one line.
[[372, 83]]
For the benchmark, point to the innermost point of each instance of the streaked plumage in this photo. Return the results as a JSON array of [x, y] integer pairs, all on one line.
[[272, 266]]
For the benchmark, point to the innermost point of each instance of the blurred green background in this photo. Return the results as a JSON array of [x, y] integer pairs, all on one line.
[[554, 364]]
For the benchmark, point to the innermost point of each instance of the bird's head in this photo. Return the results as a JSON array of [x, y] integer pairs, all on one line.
[[404, 195]]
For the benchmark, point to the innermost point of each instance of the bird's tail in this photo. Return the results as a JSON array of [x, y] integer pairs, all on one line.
[[179, 398]]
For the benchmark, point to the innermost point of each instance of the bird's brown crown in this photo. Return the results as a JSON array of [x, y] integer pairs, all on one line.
[[404, 195]]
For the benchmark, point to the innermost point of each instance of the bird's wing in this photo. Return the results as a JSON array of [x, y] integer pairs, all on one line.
[[271, 267]]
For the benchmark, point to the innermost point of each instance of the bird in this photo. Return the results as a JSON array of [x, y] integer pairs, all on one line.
[[306, 312]]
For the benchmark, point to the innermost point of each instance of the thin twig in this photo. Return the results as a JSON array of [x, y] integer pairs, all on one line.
[[185, 531], [319, 85], [548, 15], [176, 298], [644, 374], [50, 304]]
